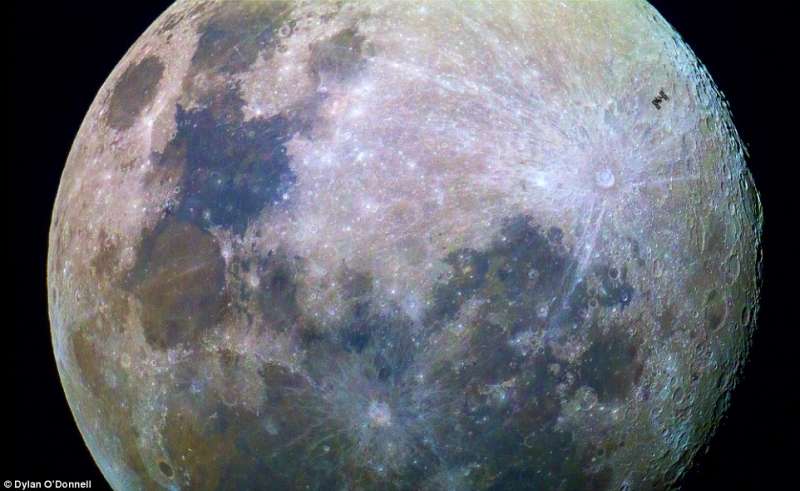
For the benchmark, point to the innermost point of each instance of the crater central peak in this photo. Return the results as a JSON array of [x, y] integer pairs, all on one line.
[[604, 178]]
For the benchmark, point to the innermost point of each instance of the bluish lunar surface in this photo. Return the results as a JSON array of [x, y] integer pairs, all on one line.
[[403, 245]]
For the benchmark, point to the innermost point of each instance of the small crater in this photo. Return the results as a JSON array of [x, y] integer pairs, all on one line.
[[715, 310], [746, 315], [605, 178], [286, 29], [601, 287], [165, 469]]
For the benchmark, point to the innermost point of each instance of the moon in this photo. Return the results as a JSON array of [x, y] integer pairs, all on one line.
[[403, 246]]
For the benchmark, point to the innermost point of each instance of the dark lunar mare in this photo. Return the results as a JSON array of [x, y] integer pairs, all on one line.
[[523, 282], [135, 90], [462, 414], [179, 278], [488, 409], [472, 394], [339, 57], [231, 169], [232, 39]]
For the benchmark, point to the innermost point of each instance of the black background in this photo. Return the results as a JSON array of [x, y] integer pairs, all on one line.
[[64, 51]]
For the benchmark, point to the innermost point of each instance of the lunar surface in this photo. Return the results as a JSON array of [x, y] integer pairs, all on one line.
[[451, 245]]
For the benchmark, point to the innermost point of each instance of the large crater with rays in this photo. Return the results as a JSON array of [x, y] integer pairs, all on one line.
[[403, 246]]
